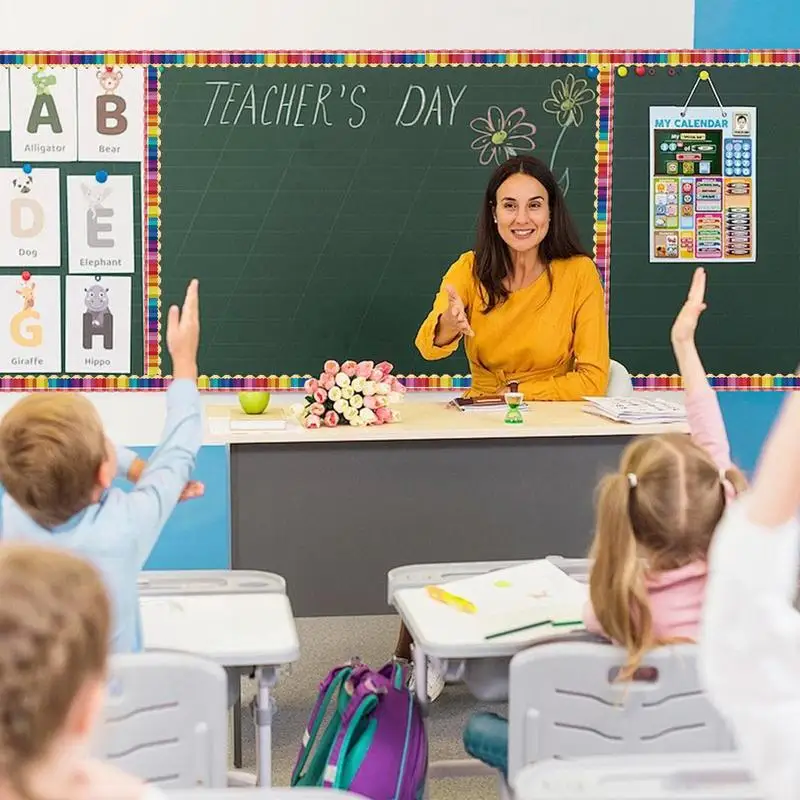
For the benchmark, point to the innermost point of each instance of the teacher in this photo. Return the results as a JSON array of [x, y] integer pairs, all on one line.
[[527, 301]]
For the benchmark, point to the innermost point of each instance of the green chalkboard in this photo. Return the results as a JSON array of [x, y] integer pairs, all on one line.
[[752, 324], [321, 206], [88, 168]]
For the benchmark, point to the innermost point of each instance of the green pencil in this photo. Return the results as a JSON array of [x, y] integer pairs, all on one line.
[[562, 624]]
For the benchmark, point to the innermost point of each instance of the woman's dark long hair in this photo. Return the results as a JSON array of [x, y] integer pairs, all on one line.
[[492, 256]]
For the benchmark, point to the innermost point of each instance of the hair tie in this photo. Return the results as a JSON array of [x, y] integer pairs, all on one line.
[[633, 481]]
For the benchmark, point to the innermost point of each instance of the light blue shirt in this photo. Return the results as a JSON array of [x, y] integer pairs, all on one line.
[[118, 534]]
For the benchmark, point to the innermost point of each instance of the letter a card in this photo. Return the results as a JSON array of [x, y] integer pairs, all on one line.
[[5, 101], [30, 224], [44, 114], [30, 324], [100, 224], [111, 113], [98, 324]]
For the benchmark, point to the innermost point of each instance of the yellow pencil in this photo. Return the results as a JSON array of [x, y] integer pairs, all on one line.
[[443, 596]]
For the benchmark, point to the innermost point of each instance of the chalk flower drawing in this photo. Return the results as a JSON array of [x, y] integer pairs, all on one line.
[[565, 101], [500, 136]]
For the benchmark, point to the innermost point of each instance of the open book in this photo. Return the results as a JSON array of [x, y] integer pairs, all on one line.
[[636, 410], [506, 601]]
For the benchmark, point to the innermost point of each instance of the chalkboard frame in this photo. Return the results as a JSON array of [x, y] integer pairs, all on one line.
[[602, 65]]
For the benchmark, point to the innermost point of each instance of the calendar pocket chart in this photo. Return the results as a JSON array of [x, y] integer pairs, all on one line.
[[30, 208], [30, 324]]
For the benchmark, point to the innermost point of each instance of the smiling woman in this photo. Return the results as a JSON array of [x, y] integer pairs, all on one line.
[[528, 301]]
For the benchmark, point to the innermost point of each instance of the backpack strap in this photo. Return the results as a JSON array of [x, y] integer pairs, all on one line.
[[328, 689], [363, 702]]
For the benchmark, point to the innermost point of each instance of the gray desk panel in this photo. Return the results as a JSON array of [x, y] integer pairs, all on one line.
[[334, 518]]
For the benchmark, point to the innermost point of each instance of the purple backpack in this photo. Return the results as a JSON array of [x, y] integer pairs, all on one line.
[[375, 743]]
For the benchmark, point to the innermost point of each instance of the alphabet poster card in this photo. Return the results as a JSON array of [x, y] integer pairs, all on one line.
[[30, 324], [702, 184], [5, 101], [44, 114], [100, 224], [111, 113], [30, 223], [98, 324]]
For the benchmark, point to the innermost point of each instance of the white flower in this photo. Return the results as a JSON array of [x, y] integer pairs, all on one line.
[[357, 422], [298, 409], [335, 393], [356, 401], [358, 384], [396, 416], [369, 388], [502, 136], [350, 413], [342, 379], [382, 388], [367, 415], [395, 397], [340, 406], [347, 392]]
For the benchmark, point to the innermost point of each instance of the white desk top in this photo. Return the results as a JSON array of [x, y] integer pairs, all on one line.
[[235, 630], [444, 632], [137, 418]]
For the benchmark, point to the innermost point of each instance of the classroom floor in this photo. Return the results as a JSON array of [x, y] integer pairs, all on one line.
[[328, 641]]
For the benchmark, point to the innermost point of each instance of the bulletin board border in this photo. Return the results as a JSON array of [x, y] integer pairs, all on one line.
[[604, 62]]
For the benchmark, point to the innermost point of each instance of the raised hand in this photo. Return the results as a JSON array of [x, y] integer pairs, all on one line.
[[685, 325], [183, 334]]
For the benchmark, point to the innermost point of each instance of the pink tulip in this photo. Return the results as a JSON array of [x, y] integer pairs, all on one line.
[[327, 381], [376, 376], [316, 409], [331, 367], [371, 401], [397, 386], [311, 385], [385, 367], [331, 419], [364, 369], [320, 396], [312, 421], [349, 368], [383, 415]]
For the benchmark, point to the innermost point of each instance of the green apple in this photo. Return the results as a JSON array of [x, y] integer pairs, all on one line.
[[254, 402]]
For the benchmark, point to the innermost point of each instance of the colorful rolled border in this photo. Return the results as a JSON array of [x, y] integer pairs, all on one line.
[[606, 61]]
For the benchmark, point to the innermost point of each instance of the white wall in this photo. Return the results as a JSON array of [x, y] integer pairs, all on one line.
[[343, 25]]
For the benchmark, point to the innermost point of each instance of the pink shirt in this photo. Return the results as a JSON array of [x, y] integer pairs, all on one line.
[[676, 596]]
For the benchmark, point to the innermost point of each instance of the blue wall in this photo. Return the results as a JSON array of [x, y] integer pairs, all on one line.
[[746, 24]]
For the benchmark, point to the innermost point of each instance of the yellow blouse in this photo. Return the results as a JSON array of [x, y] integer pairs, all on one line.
[[556, 347]]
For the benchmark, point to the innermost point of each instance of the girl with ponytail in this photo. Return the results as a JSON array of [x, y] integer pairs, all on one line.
[[657, 514], [655, 519]]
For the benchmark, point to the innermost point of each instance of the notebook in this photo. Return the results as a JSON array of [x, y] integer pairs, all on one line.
[[269, 421], [529, 596], [483, 404], [636, 410]]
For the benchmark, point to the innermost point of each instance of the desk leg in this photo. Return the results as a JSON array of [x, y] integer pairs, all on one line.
[[267, 677], [420, 676], [237, 730]]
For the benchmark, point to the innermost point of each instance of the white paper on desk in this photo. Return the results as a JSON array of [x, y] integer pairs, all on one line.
[[521, 596]]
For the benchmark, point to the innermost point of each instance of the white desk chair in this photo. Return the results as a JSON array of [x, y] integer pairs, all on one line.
[[261, 794], [166, 719], [563, 704], [620, 383], [700, 776]]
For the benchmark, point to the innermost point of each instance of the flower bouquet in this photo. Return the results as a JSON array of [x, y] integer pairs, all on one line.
[[356, 394]]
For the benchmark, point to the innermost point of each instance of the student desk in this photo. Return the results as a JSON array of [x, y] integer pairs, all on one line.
[[237, 630], [333, 510]]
